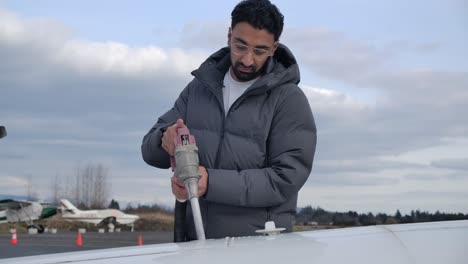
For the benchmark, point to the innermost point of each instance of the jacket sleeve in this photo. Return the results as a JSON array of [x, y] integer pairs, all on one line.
[[151, 149], [291, 148]]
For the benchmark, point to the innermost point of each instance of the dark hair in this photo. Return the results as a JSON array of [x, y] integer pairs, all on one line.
[[260, 14]]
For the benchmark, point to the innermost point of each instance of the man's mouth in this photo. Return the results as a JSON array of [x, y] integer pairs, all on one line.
[[245, 69]]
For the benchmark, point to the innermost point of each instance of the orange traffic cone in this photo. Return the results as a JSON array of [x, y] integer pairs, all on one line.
[[79, 241], [140, 240], [14, 240]]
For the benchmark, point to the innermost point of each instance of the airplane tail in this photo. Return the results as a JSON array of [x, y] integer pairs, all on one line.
[[68, 206]]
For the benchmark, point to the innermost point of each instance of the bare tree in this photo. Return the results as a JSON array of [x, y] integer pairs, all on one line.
[[88, 188], [77, 186], [68, 189], [86, 185], [101, 186], [57, 190], [30, 193]]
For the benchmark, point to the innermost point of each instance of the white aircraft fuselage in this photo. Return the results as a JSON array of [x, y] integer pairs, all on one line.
[[71, 213]]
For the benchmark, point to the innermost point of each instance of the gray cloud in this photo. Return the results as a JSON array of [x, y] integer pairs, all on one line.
[[437, 176], [364, 166], [413, 108], [210, 35], [349, 129], [453, 164], [333, 55], [423, 176], [345, 179]]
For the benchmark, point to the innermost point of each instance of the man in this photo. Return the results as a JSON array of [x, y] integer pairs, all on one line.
[[253, 126]]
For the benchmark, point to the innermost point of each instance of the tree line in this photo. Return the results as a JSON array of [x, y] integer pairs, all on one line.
[[318, 216]]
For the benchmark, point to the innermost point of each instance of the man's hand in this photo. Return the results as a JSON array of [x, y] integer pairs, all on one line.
[[169, 135], [178, 188], [203, 181]]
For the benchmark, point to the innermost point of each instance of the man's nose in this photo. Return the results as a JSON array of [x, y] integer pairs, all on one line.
[[248, 59]]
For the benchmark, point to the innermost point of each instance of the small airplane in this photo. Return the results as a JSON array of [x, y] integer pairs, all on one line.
[[111, 217], [13, 211]]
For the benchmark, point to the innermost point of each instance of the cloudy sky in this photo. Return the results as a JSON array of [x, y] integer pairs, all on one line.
[[83, 81]]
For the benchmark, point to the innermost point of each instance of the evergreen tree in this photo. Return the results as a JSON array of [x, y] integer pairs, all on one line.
[[398, 215], [114, 205]]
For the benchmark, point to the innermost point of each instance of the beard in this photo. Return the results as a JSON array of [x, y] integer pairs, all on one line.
[[244, 76]]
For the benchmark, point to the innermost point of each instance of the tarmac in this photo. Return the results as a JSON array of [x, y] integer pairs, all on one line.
[[47, 243]]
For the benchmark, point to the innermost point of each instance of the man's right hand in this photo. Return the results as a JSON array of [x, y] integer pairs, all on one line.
[[169, 135]]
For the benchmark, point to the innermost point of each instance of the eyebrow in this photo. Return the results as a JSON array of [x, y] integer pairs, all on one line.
[[245, 43]]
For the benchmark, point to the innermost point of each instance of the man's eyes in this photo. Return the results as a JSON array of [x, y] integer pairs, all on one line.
[[260, 51], [242, 47]]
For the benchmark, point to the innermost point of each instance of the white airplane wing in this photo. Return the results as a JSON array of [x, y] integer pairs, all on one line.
[[422, 243], [20, 211], [3, 218], [13, 204]]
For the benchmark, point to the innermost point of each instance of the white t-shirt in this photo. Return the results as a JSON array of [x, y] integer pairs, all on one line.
[[233, 89]]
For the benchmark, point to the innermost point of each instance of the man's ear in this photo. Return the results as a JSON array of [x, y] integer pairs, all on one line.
[[229, 36], [275, 46]]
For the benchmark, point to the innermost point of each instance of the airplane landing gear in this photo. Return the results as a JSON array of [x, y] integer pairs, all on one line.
[[40, 228], [111, 227]]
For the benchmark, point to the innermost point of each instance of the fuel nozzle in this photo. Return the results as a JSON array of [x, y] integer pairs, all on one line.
[[186, 161], [185, 165]]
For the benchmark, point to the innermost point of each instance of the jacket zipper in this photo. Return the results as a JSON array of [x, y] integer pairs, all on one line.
[[223, 131]]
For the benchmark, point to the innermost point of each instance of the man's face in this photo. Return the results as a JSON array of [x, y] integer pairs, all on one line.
[[250, 49]]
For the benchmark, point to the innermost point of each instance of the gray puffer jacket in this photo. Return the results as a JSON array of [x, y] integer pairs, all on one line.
[[257, 157]]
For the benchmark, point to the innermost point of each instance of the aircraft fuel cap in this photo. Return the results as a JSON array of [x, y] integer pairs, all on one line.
[[270, 229]]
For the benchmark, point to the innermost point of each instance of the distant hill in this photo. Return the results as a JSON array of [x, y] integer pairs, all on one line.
[[13, 197]]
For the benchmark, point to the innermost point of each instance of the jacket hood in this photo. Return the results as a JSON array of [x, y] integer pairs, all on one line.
[[280, 69]]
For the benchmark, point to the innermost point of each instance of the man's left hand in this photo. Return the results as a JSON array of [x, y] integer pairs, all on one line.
[[178, 188]]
